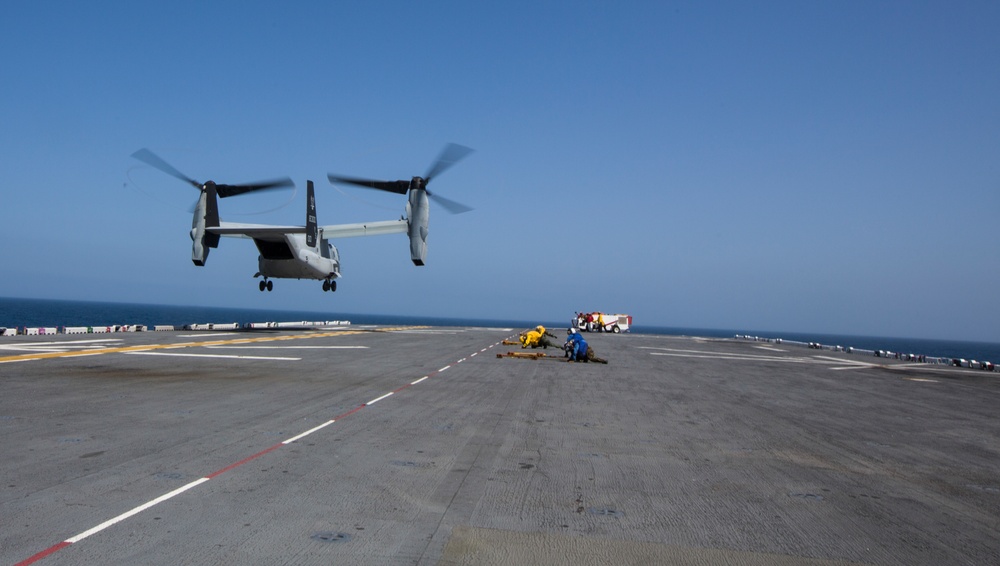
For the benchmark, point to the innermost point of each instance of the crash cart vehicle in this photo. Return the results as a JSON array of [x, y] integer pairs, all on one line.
[[600, 322]]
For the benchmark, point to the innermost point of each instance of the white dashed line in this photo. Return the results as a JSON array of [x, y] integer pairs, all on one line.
[[308, 432], [372, 402], [135, 511]]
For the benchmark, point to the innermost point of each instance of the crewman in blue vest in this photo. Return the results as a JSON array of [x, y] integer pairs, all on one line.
[[576, 346]]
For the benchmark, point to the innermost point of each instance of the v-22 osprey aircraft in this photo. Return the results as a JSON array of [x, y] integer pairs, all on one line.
[[305, 252]]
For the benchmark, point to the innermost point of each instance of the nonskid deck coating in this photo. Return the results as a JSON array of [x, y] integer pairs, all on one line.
[[419, 446]]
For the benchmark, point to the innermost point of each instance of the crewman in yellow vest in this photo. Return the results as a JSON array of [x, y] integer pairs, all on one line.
[[537, 337]]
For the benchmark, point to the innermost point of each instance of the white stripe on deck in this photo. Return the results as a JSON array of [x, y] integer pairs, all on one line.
[[373, 401], [263, 347], [203, 335], [219, 356]]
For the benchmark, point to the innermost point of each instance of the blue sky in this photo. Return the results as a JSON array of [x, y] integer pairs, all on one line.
[[828, 167]]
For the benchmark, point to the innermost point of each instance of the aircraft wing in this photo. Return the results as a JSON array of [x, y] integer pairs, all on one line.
[[255, 231], [364, 229]]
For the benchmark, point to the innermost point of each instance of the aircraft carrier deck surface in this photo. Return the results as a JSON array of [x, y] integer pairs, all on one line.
[[417, 445]]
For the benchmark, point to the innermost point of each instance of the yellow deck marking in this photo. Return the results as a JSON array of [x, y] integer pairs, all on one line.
[[148, 347]]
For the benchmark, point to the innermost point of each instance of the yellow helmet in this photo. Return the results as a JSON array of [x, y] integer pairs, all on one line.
[[540, 329]]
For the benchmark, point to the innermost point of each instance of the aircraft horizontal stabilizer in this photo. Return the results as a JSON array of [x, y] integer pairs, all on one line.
[[364, 229]]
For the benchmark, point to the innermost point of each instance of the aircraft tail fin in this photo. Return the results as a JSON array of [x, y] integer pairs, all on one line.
[[212, 215], [312, 230]]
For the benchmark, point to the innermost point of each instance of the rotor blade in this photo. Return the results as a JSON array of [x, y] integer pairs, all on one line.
[[233, 190], [150, 158], [450, 155], [450, 205], [398, 187]]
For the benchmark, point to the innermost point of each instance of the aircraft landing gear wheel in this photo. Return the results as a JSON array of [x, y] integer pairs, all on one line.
[[270, 285], [333, 286], [263, 285], [326, 285]]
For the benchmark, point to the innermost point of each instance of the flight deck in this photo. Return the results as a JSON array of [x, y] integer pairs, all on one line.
[[419, 445]]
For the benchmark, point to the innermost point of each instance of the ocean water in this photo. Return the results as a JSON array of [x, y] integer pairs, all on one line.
[[15, 312]]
